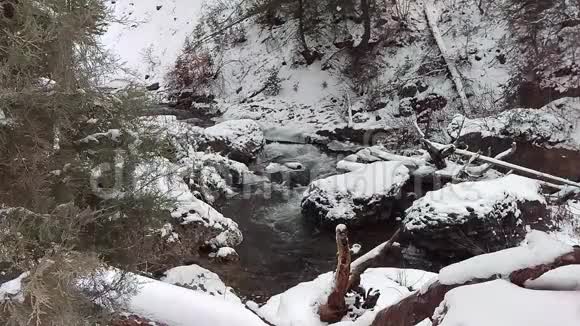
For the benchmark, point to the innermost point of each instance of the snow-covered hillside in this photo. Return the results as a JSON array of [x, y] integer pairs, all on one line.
[[149, 35]]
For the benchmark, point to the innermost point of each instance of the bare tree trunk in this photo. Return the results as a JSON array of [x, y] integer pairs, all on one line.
[[366, 17], [306, 53], [335, 307]]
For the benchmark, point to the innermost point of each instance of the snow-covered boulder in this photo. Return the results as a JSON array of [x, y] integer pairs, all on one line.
[[213, 176], [549, 125], [472, 218], [548, 138], [225, 255], [501, 303], [192, 219], [197, 278], [537, 249], [363, 196], [298, 305], [291, 173], [241, 140]]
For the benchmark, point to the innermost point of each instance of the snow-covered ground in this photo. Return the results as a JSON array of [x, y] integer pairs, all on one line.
[[177, 306], [298, 305]]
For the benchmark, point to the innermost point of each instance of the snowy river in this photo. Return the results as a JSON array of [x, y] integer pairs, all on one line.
[[281, 248]]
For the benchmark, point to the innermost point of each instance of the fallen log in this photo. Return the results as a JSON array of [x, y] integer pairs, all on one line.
[[446, 150], [431, 17], [503, 164]]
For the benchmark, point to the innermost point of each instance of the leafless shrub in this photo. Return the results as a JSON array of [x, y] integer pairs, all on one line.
[[193, 68], [272, 86], [402, 8]]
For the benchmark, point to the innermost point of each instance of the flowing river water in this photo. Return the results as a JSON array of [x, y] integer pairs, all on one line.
[[281, 248]]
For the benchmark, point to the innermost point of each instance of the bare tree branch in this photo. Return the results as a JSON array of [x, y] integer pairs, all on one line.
[[361, 264], [481, 169]]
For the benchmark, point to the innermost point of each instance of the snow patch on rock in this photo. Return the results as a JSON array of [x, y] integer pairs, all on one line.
[[12, 290], [350, 196], [162, 177], [455, 203], [198, 278], [501, 303], [537, 249]]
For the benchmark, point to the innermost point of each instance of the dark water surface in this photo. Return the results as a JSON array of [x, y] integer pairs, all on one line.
[[280, 248]]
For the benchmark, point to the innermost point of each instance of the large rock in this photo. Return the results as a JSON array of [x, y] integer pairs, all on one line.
[[241, 140], [213, 176], [192, 225], [291, 173], [363, 196], [548, 139], [472, 218]]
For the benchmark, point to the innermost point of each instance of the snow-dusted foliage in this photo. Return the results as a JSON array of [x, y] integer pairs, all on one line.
[[357, 197], [567, 221], [298, 305]]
